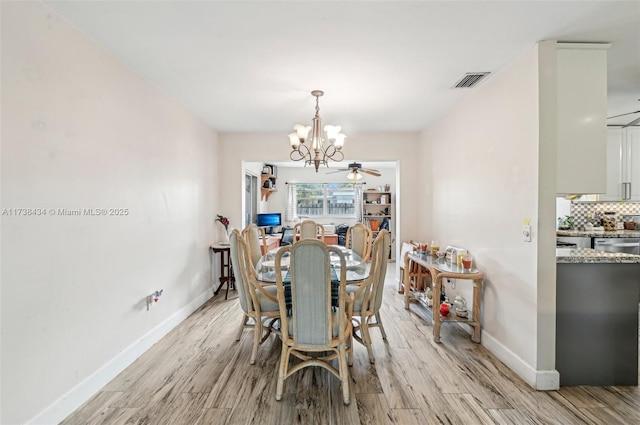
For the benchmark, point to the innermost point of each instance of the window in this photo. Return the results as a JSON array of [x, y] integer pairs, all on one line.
[[316, 200]]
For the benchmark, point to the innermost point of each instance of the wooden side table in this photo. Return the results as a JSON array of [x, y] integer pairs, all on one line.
[[439, 271], [226, 271], [474, 320]]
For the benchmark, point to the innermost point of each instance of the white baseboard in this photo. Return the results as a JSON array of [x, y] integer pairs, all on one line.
[[82, 392], [543, 380]]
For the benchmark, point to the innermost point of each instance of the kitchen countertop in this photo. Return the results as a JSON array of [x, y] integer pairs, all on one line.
[[591, 256], [592, 234]]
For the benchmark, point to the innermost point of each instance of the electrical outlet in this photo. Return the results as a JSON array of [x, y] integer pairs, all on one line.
[[153, 298]]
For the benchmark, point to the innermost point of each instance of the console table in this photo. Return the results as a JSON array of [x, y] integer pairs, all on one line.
[[441, 269], [226, 271]]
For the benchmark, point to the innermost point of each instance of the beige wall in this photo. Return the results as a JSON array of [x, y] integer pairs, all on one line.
[[80, 130], [485, 183]]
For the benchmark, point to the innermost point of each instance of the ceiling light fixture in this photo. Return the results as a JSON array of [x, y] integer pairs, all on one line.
[[354, 175], [321, 147]]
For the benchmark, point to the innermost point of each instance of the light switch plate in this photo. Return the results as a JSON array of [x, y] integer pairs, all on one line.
[[526, 233]]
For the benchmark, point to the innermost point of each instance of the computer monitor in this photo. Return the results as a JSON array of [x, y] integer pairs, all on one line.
[[270, 220]]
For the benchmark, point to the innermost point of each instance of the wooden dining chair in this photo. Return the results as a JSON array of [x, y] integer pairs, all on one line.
[[258, 302], [315, 313], [360, 240], [257, 246], [368, 295], [308, 229]]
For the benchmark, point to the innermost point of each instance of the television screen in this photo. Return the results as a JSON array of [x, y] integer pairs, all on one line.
[[269, 220]]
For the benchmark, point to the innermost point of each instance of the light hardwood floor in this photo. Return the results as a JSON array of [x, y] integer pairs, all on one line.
[[199, 374]]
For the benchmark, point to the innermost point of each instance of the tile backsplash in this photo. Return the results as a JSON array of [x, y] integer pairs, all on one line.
[[580, 210]]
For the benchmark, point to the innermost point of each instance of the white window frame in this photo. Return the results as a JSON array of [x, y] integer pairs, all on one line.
[[325, 189]]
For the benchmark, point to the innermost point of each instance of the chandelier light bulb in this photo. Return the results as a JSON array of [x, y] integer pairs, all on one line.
[[332, 131], [294, 140], [302, 131]]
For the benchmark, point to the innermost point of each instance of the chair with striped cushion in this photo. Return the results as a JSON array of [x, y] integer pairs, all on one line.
[[368, 294], [258, 302], [315, 328]]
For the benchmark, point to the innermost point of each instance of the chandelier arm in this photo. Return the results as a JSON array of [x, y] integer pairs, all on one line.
[[299, 154], [333, 157]]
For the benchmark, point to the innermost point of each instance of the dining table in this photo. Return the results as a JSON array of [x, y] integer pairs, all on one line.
[[357, 269]]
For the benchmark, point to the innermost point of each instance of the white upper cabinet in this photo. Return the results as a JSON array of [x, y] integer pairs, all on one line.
[[623, 165], [581, 78]]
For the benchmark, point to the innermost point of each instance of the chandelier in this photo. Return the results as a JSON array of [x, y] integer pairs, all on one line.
[[321, 147]]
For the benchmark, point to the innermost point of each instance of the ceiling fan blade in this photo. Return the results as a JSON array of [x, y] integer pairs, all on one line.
[[622, 115], [338, 171], [372, 172], [634, 122]]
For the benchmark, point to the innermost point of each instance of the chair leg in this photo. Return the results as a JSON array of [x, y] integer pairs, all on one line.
[[366, 336], [344, 374], [257, 339], [379, 322], [350, 350], [242, 326], [282, 372]]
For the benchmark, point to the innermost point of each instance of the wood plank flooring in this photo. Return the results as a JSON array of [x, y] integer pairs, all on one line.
[[199, 374]]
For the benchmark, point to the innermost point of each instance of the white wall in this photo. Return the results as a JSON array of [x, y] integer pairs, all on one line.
[[484, 184], [80, 130], [275, 147]]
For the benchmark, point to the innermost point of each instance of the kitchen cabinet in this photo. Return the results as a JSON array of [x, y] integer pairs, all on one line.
[[581, 102], [623, 165], [597, 313]]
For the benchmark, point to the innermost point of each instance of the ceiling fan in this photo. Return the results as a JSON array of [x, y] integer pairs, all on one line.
[[633, 122], [355, 169]]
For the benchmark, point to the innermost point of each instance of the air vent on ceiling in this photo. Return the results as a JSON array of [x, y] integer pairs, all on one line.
[[470, 79]]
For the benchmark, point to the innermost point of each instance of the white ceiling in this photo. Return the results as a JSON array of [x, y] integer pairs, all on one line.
[[384, 66]]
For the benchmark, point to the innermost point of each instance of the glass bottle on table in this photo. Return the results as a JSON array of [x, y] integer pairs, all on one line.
[[435, 247]]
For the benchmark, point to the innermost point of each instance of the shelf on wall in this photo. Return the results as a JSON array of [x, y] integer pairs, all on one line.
[[265, 192]]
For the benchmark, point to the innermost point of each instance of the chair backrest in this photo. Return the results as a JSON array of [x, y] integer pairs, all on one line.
[[360, 240], [309, 229], [252, 235], [380, 254], [237, 245], [287, 236], [254, 292], [306, 311], [371, 290]]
